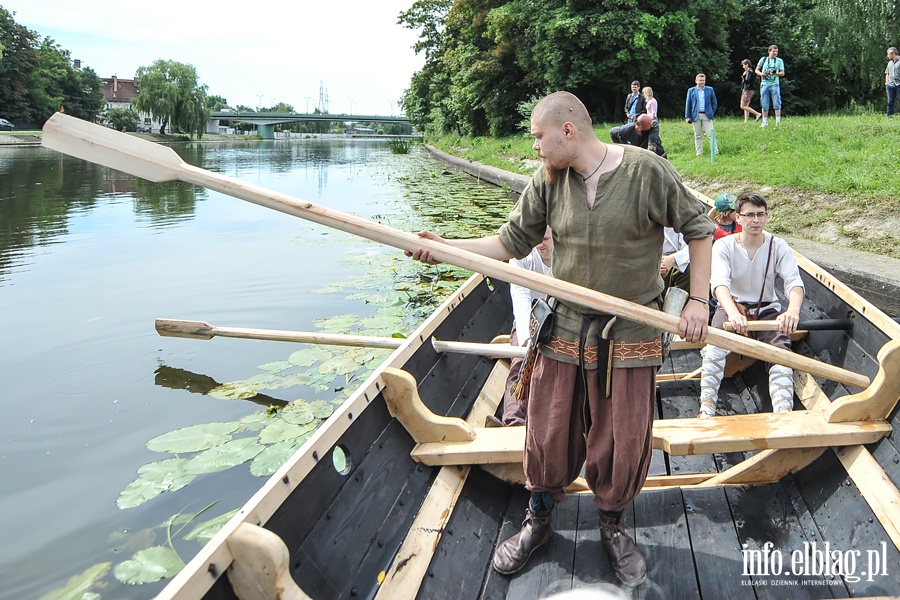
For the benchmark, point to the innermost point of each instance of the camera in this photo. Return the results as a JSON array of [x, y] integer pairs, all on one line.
[[769, 71]]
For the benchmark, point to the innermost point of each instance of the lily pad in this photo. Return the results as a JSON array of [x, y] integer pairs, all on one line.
[[301, 412], [230, 454], [280, 430], [194, 438], [204, 532], [308, 356], [281, 365], [154, 479], [78, 587], [338, 323], [254, 421], [237, 390], [147, 566], [269, 460]]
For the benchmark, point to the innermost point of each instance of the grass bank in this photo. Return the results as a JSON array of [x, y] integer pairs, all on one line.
[[830, 179]]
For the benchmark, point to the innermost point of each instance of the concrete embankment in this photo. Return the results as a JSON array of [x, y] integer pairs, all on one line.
[[874, 277]]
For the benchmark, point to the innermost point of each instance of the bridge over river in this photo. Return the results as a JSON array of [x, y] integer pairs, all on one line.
[[265, 121]]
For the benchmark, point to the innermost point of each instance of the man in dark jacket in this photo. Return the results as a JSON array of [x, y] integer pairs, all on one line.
[[635, 104], [644, 133]]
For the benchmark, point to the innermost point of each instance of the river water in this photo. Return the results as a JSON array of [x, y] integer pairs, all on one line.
[[89, 257]]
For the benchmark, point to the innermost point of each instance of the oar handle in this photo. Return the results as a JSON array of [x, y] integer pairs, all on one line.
[[152, 161], [811, 325]]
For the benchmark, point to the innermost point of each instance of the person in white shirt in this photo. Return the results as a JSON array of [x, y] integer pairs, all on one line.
[[539, 261], [676, 261], [744, 266]]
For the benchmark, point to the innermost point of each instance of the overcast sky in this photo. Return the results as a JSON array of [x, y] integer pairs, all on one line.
[[253, 53]]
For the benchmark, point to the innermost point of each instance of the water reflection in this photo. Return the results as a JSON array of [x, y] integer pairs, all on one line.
[[90, 257], [174, 378]]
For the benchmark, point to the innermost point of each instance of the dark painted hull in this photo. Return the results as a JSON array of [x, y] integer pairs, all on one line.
[[343, 531]]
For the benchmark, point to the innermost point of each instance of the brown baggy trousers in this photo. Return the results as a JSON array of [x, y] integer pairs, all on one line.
[[612, 436]]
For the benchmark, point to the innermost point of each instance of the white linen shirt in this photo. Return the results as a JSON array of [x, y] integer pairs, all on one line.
[[674, 244], [732, 268], [522, 296]]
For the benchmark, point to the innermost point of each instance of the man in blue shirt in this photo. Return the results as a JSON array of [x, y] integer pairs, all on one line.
[[635, 104], [700, 110], [771, 69]]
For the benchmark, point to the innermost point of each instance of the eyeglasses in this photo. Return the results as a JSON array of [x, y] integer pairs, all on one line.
[[753, 216]]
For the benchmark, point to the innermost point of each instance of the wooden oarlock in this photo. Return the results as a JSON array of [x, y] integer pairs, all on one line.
[[159, 163]]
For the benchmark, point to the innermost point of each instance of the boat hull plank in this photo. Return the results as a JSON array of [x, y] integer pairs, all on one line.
[[845, 520], [663, 536], [714, 542], [463, 554], [514, 501]]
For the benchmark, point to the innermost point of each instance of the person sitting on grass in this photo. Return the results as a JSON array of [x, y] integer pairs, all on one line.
[[742, 278]]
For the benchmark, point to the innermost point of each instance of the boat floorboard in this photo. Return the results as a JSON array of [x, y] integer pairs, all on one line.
[[695, 539]]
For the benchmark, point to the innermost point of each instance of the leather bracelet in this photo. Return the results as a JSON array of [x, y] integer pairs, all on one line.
[[700, 300]]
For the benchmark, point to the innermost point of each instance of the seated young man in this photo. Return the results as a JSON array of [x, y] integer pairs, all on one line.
[[742, 279]]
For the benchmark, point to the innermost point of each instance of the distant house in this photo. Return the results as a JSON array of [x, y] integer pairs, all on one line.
[[120, 93]]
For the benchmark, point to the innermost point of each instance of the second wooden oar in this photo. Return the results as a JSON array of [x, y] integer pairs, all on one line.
[[811, 325], [154, 162], [201, 330]]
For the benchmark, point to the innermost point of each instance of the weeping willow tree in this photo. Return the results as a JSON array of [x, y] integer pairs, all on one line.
[[858, 32]]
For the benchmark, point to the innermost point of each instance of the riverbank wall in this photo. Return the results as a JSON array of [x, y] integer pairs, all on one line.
[[874, 277]]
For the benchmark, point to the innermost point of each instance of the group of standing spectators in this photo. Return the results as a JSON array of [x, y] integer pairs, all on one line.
[[641, 108], [701, 103]]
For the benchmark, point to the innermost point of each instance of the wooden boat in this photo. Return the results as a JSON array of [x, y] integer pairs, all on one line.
[[745, 505], [732, 503]]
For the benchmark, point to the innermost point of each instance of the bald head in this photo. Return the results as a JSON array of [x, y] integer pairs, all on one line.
[[562, 107], [643, 122]]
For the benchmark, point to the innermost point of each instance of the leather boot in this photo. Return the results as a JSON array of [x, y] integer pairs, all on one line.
[[511, 555], [627, 561]]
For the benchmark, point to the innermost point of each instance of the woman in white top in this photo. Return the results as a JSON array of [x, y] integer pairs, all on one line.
[[652, 104], [744, 266]]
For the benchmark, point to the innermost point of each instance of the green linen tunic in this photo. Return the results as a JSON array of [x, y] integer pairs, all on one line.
[[615, 247]]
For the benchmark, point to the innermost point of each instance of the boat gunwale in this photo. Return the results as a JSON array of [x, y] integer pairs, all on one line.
[[201, 572]]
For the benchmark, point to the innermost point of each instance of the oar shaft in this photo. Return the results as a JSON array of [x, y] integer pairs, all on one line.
[[204, 331], [151, 161], [563, 290], [811, 325], [487, 350]]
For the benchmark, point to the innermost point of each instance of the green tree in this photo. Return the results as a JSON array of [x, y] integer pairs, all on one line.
[[123, 119], [171, 94], [216, 102], [852, 37], [17, 70], [59, 85], [486, 57]]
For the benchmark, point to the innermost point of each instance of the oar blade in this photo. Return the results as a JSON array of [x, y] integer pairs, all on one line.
[[111, 148], [197, 330]]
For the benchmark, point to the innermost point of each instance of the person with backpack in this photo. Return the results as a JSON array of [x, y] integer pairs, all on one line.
[[748, 79]]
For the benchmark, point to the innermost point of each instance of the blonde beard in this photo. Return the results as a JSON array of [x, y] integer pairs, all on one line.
[[552, 173]]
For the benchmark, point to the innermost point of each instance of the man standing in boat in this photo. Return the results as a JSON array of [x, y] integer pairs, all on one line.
[[593, 386]]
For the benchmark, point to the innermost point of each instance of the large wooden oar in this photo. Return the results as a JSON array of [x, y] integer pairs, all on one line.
[[159, 163], [201, 330]]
